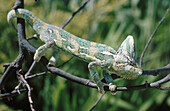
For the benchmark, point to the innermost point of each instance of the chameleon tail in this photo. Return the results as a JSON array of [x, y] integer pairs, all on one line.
[[11, 15], [21, 13]]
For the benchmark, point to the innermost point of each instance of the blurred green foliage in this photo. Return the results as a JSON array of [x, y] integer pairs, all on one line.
[[104, 21]]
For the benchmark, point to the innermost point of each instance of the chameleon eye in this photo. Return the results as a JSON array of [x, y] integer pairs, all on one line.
[[132, 62], [50, 31]]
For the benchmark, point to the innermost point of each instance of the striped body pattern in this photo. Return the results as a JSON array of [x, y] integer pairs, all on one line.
[[121, 62]]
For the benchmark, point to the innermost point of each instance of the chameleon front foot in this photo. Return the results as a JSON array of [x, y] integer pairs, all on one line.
[[100, 86], [38, 54], [52, 62], [42, 50], [112, 88]]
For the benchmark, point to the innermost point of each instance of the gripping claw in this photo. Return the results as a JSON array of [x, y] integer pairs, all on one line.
[[112, 88]]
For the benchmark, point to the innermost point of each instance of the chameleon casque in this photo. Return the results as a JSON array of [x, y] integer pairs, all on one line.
[[121, 62]]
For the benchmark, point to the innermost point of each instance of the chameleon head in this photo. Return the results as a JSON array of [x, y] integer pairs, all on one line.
[[124, 63], [126, 67]]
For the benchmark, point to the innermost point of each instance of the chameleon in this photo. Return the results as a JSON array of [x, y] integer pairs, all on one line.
[[122, 62]]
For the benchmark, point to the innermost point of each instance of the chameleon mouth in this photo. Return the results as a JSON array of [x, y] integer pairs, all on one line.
[[131, 75]]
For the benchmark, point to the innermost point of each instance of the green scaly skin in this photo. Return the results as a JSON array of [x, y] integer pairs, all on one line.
[[121, 62]]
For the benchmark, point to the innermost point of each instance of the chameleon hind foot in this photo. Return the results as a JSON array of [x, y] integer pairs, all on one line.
[[112, 88]]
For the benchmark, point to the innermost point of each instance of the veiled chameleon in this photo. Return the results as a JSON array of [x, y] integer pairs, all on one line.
[[121, 62]]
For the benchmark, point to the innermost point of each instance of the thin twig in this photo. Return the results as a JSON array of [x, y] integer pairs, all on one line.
[[29, 92], [30, 69], [35, 75], [164, 88], [65, 62], [18, 4], [158, 83], [12, 93], [68, 21], [97, 102], [141, 58]]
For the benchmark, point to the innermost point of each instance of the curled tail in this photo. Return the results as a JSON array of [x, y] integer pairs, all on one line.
[[21, 13]]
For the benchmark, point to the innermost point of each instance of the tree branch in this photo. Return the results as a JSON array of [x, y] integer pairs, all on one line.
[[89, 83], [157, 71], [11, 67], [35, 75], [71, 77], [12, 93], [158, 83]]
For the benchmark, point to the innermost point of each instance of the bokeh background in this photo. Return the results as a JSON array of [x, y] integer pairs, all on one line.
[[103, 21]]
